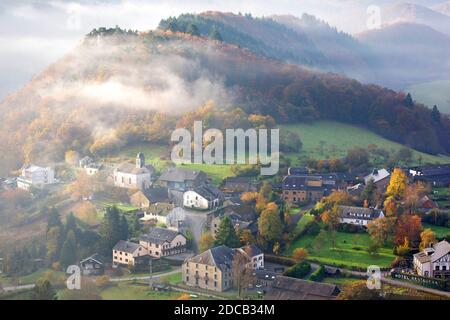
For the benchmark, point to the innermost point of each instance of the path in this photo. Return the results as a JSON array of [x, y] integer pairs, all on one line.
[[154, 277]]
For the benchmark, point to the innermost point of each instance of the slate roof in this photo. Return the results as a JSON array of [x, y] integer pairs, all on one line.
[[286, 288], [159, 235], [220, 257], [157, 194], [252, 250], [95, 257], [360, 213], [439, 250], [209, 193], [377, 175], [130, 168], [181, 175], [126, 246]]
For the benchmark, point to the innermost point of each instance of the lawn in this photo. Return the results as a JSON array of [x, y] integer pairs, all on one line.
[[323, 139], [440, 231], [217, 172], [173, 278], [301, 224], [350, 251], [433, 93]]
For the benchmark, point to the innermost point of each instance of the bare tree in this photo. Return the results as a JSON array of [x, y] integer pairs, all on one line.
[[242, 274]]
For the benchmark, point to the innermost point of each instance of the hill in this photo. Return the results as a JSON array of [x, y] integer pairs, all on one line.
[[120, 87], [415, 13], [433, 93], [409, 53]]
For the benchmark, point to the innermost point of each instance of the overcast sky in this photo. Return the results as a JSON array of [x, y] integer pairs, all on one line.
[[35, 33]]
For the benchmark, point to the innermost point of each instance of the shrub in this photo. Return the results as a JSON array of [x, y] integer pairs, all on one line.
[[319, 274], [299, 270]]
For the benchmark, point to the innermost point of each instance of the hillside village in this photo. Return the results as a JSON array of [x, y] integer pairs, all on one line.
[[300, 235]]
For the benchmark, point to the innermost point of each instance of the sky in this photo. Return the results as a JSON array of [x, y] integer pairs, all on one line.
[[35, 33]]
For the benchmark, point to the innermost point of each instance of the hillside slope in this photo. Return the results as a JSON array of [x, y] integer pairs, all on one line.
[[119, 88]]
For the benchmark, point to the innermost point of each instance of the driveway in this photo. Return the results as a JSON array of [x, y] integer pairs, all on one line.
[[196, 221]]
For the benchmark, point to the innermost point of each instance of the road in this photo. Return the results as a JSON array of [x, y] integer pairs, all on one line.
[[18, 288], [196, 221]]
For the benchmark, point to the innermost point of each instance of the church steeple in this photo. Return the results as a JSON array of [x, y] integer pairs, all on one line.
[[140, 160]]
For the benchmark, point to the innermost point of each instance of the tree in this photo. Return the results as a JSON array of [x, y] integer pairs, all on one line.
[[261, 203], [215, 34], [369, 192], [69, 251], [435, 114], [193, 30], [43, 290], [246, 237], [397, 184], [124, 229], [249, 197], [226, 234], [270, 226], [380, 229], [54, 242], [300, 255], [409, 101], [299, 270], [242, 274], [357, 157], [409, 227], [110, 231], [54, 220], [72, 157], [427, 238], [206, 241], [413, 194], [266, 191]]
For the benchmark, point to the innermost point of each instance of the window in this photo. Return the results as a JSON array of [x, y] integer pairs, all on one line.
[[437, 268], [444, 268], [215, 276], [215, 283], [206, 281], [187, 271], [187, 278]]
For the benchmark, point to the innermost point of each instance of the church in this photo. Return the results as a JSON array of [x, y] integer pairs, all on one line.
[[138, 176]]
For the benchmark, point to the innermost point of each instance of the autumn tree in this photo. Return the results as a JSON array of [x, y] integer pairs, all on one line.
[[427, 238], [242, 274], [43, 290], [300, 254], [380, 229], [206, 241], [398, 184], [270, 226], [409, 227], [72, 157], [249, 197], [246, 237], [413, 194], [358, 290]]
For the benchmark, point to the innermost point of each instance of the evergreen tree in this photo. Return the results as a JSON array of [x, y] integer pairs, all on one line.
[[124, 229], [110, 231], [69, 250], [71, 223], [226, 234], [54, 220], [435, 114], [193, 30], [409, 101], [215, 34]]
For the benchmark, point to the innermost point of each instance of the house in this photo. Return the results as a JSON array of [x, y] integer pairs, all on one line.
[[242, 217], [161, 242], [85, 161], [426, 204], [254, 255], [239, 185], [143, 198], [437, 175], [92, 168], [92, 266], [129, 253], [138, 176], [298, 189], [157, 213], [434, 262], [182, 179], [381, 178], [358, 215], [203, 198], [212, 269], [35, 176], [287, 288]]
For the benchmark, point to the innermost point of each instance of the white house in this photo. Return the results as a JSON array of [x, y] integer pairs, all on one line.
[[92, 169], [157, 212], [161, 242], [34, 176], [434, 262], [254, 255], [358, 215], [202, 198], [128, 253], [136, 176]]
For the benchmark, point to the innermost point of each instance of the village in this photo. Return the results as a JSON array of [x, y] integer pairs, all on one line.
[[176, 233]]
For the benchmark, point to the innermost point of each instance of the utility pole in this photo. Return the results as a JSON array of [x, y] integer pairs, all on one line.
[[150, 281]]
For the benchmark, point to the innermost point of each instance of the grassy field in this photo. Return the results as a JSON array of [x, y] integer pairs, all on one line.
[[216, 172], [350, 251], [433, 93], [440, 231], [326, 139]]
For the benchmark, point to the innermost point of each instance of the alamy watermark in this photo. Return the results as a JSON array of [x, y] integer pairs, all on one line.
[[374, 277], [249, 146], [374, 17], [74, 280]]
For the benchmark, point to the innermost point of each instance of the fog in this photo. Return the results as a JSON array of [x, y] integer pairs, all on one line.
[[34, 33]]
